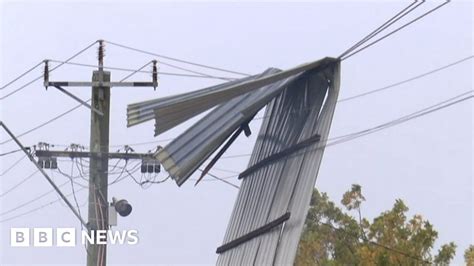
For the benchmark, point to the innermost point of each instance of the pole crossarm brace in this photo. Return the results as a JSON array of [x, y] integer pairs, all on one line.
[[83, 154], [79, 100], [76, 213], [100, 84]]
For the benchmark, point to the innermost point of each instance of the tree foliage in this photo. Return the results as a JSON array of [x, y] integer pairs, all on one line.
[[469, 256], [333, 236]]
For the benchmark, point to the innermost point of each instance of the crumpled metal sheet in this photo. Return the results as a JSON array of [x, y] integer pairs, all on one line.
[[186, 153], [183, 156], [284, 186], [300, 104], [171, 111], [141, 112]]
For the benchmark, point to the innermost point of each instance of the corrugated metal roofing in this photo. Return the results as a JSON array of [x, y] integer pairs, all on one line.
[[300, 105], [171, 111], [284, 186]]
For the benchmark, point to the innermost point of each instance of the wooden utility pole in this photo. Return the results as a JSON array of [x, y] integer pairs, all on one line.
[[99, 163], [99, 150]]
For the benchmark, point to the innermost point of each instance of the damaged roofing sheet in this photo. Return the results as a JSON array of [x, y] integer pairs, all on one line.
[[173, 110], [272, 203], [284, 187]]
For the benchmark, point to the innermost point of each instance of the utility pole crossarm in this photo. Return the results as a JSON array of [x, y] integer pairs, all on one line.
[[83, 154], [100, 84]]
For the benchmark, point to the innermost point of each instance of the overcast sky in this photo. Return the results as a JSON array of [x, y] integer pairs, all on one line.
[[427, 162]]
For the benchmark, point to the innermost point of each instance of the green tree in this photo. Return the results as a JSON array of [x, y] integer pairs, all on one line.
[[332, 236], [469, 256]]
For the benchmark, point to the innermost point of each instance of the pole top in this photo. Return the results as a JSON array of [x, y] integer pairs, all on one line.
[[101, 54]]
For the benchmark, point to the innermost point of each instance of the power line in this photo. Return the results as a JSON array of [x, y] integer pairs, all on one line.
[[141, 143], [70, 177], [425, 111], [161, 61], [13, 165], [38, 208], [221, 179], [394, 31], [407, 80], [398, 121], [405, 11], [22, 75], [32, 200], [144, 71], [176, 59], [39, 197], [394, 84], [214, 179], [73, 190], [18, 184], [135, 71], [9, 152], [51, 182], [45, 123], [354, 135], [54, 68]]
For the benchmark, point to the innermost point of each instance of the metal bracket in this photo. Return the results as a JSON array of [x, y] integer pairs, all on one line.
[[79, 100]]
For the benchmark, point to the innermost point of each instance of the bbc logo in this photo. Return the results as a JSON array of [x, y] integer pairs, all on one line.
[[42, 237]]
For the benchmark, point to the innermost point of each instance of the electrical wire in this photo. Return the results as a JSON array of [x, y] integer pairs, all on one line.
[[18, 184], [176, 59], [70, 177], [40, 77], [80, 168], [133, 170], [10, 152], [33, 200], [22, 75], [172, 65], [141, 143], [121, 173], [406, 80], [351, 136], [37, 208], [142, 183], [145, 71], [42, 206], [394, 31], [214, 179], [221, 179], [13, 165], [135, 71], [45, 123], [395, 122], [405, 11]]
